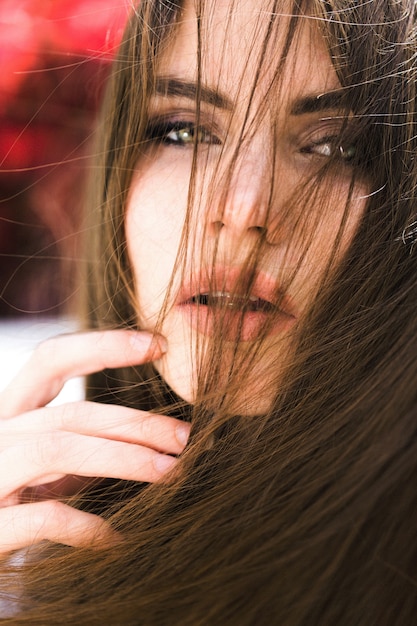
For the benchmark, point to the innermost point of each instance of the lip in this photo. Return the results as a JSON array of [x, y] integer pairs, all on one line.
[[236, 324]]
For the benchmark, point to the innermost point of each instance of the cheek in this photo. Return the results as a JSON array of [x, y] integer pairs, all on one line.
[[155, 208], [342, 220], [155, 215], [333, 233]]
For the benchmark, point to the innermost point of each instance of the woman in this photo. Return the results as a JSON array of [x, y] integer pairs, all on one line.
[[251, 274]]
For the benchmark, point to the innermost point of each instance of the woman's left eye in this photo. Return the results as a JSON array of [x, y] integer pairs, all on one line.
[[329, 147]]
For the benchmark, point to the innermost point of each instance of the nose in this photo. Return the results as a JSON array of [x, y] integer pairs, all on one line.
[[243, 205]]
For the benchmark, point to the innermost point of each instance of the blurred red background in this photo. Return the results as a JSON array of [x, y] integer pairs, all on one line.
[[54, 59]]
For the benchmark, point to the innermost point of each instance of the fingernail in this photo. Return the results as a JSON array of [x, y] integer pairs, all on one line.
[[183, 433], [160, 343], [106, 537], [164, 462]]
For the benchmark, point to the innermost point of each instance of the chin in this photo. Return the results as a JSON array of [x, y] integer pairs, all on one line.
[[255, 396], [178, 375]]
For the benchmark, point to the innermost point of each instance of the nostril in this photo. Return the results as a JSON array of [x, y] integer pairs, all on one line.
[[216, 227], [262, 230]]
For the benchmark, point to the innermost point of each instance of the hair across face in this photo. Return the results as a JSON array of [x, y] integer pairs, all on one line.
[[255, 195], [253, 201], [248, 173]]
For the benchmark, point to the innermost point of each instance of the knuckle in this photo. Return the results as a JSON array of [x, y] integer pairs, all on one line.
[[46, 351], [67, 413], [47, 451], [159, 432], [46, 516], [45, 359], [147, 429], [53, 510]]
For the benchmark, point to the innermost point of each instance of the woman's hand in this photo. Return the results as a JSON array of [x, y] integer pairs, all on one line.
[[40, 445]]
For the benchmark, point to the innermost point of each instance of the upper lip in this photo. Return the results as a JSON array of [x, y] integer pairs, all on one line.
[[226, 280]]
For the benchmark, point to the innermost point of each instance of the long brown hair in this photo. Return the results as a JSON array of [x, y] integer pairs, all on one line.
[[303, 515]]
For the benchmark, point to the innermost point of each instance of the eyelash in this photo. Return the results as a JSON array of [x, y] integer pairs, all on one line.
[[160, 132], [330, 146]]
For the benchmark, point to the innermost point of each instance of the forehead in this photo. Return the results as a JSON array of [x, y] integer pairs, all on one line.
[[232, 38]]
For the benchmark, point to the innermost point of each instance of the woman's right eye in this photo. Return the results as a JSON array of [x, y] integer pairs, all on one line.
[[181, 134]]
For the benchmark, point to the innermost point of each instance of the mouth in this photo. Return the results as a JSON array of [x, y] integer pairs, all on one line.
[[236, 315], [233, 302]]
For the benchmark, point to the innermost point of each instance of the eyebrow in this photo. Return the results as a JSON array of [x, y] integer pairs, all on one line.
[[333, 100], [187, 89], [167, 87]]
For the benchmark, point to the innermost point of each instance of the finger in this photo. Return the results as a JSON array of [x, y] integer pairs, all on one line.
[[160, 432], [33, 462], [58, 359], [28, 524]]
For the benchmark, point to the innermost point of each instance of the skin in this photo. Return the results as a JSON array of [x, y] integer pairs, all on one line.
[[157, 207], [43, 448], [41, 445]]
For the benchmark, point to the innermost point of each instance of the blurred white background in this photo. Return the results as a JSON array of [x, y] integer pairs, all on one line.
[[18, 338]]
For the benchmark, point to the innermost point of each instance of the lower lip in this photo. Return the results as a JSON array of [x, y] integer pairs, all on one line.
[[234, 326]]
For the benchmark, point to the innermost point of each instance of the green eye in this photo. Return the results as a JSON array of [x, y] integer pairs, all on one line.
[[348, 153], [181, 134]]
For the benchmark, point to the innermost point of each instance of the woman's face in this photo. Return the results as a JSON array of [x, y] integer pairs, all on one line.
[[230, 225]]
